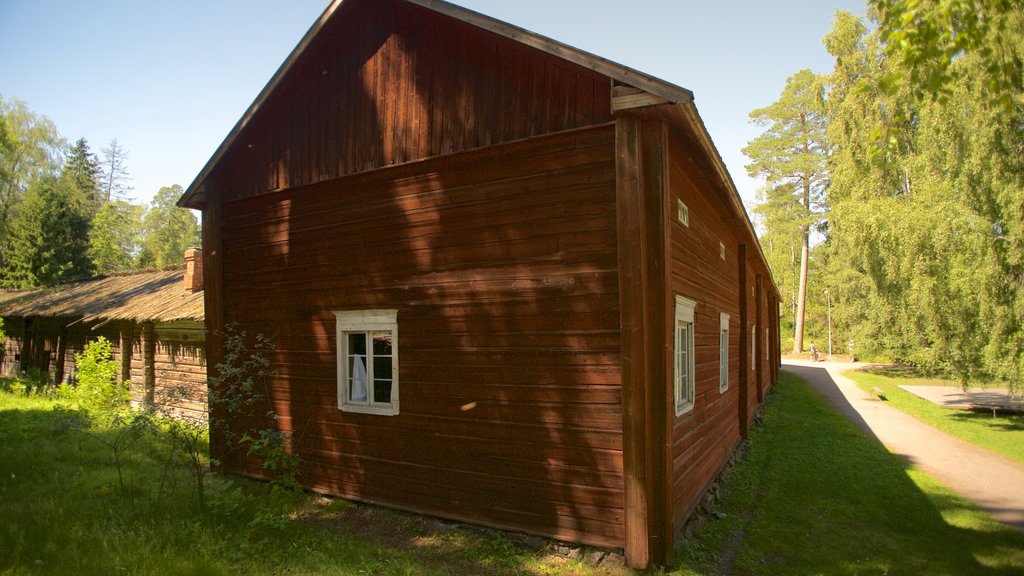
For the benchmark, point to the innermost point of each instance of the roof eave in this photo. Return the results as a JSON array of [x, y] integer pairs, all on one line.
[[194, 196], [704, 138]]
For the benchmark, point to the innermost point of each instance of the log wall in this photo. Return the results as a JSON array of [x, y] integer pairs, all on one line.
[[179, 358], [179, 371]]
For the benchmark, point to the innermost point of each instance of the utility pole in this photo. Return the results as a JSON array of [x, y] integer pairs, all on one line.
[[828, 296]]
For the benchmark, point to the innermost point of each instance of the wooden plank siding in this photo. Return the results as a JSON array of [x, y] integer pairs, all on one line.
[[476, 178], [703, 438], [389, 82], [502, 265]]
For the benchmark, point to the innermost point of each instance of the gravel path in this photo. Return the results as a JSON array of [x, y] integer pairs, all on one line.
[[994, 482]]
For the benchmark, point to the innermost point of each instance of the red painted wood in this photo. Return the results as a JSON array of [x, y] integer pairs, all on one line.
[[502, 265], [388, 82]]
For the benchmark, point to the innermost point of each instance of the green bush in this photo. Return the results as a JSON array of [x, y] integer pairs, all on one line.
[[98, 392]]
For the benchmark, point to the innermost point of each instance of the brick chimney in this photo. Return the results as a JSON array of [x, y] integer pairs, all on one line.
[[193, 270]]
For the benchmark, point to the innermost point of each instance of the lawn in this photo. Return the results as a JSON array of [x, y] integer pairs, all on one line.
[[1003, 433], [64, 511], [813, 496], [817, 496]]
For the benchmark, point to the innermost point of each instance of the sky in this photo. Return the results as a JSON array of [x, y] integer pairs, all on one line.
[[168, 80]]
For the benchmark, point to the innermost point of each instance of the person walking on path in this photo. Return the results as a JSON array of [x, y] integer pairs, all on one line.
[[994, 482]]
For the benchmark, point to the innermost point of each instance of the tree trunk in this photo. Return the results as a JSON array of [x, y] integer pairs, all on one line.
[[801, 300]]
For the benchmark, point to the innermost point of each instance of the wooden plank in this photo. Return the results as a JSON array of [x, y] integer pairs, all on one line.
[[126, 336], [148, 373], [761, 322], [504, 272], [658, 304], [632, 255], [627, 98], [213, 298], [744, 355]]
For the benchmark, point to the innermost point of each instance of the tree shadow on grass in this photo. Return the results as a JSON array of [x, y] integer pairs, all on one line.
[[894, 371], [830, 499], [1005, 422]]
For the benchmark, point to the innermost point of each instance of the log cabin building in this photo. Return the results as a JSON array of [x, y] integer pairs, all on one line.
[[509, 282], [153, 320]]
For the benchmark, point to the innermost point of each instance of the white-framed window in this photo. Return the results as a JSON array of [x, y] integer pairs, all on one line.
[[682, 213], [753, 344], [684, 346], [368, 361], [723, 352]]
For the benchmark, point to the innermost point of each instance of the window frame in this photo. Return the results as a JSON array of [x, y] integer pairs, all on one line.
[[366, 321], [684, 392], [753, 344], [723, 352]]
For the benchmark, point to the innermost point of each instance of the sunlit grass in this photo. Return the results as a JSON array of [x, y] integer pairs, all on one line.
[[62, 512], [1003, 433], [817, 496]]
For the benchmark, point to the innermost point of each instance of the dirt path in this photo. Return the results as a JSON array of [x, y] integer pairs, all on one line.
[[994, 482]]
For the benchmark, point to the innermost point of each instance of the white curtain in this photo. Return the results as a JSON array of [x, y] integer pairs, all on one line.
[[358, 392]]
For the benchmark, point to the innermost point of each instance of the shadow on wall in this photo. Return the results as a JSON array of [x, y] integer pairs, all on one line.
[[502, 267]]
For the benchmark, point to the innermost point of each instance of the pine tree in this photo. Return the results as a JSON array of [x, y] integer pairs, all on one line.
[[50, 236], [83, 170], [791, 155], [114, 173]]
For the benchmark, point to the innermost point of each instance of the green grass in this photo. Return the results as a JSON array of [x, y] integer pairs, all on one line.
[[62, 511], [817, 496], [1003, 433], [814, 496]]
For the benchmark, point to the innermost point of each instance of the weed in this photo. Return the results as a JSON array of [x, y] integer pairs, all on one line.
[[271, 448]]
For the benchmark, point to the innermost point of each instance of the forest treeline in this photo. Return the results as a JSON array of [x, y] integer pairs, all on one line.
[[894, 195], [64, 213]]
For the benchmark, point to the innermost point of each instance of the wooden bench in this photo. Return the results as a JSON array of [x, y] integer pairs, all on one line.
[[986, 406], [879, 393]]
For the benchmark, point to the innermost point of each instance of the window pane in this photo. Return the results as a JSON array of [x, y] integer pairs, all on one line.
[[357, 343], [382, 343], [684, 348], [382, 391]]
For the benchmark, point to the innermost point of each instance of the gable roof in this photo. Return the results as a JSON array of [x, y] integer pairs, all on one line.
[[623, 74], [157, 296], [680, 99]]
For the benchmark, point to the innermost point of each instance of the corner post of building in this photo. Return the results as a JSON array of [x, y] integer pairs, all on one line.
[[641, 198], [762, 324], [124, 375], [148, 364], [62, 350], [27, 344], [744, 356], [776, 338], [213, 286]]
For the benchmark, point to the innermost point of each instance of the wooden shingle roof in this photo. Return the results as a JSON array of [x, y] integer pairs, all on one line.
[[157, 296]]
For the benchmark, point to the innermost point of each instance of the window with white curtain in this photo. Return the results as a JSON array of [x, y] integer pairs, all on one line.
[[753, 345], [367, 351], [723, 352], [684, 346]]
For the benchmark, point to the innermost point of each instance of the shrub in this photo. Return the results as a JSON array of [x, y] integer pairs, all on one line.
[[98, 392]]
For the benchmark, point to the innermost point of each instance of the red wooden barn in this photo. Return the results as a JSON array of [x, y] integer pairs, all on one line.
[[509, 282]]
